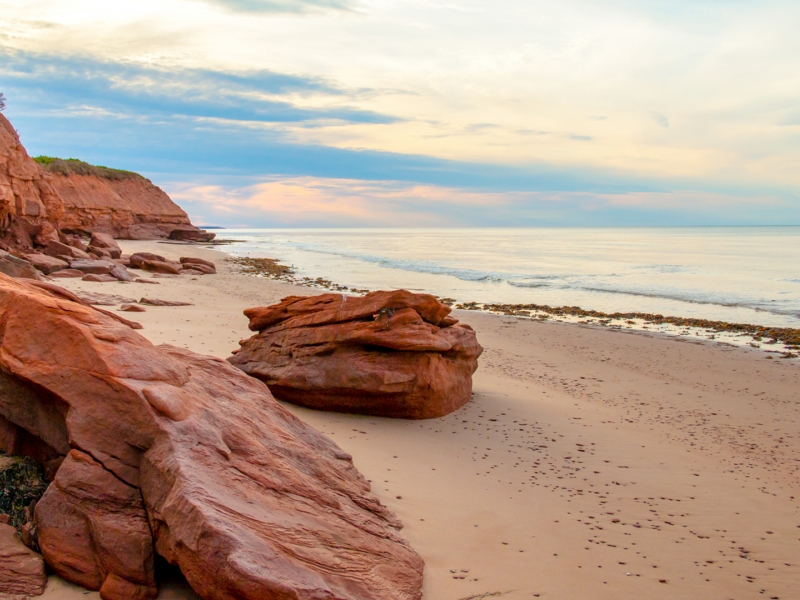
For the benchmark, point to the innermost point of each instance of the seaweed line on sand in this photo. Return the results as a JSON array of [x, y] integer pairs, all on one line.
[[273, 269], [485, 595]]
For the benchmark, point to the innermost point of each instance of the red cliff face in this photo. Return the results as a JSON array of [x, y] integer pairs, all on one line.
[[128, 207], [74, 196], [27, 196]]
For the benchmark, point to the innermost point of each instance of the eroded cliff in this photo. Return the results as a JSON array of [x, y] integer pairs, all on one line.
[[28, 200], [40, 196], [121, 203]]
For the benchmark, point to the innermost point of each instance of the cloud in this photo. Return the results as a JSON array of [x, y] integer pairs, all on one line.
[[281, 6], [127, 88], [330, 202], [661, 120]]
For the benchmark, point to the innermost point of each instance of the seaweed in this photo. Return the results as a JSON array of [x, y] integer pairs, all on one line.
[[22, 481]]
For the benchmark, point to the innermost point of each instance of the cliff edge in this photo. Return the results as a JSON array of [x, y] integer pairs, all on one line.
[[28, 200], [38, 196]]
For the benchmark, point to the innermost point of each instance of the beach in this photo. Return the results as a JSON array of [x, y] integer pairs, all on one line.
[[590, 463]]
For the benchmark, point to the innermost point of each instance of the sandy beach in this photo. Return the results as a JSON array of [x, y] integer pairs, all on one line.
[[591, 463]]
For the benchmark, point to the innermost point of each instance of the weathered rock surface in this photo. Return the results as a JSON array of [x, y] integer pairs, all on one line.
[[158, 302], [107, 242], [121, 273], [160, 266], [100, 278], [247, 500], [16, 267], [66, 273], [98, 267], [47, 264], [392, 354], [128, 206], [191, 234], [137, 259], [22, 571], [28, 199], [65, 251]]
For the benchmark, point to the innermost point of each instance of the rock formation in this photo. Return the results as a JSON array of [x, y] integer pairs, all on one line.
[[39, 198], [120, 203], [248, 501], [28, 201], [391, 354], [22, 571]]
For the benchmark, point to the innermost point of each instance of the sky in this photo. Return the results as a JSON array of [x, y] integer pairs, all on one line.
[[422, 113]]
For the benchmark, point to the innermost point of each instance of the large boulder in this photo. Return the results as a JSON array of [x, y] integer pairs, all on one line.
[[16, 267], [391, 354], [22, 572], [191, 234], [248, 501], [97, 267], [164, 267], [47, 264], [63, 251]]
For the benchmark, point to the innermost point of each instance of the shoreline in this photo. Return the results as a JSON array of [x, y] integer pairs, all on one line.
[[592, 462], [273, 269]]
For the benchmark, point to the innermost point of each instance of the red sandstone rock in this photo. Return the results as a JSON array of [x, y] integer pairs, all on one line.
[[101, 253], [16, 267], [191, 234], [27, 196], [99, 278], [22, 571], [66, 273], [132, 308], [159, 266], [187, 260], [157, 302], [129, 207], [92, 525], [393, 354], [121, 273], [138, 258], [247, 500], [64, 251], [46, 234], [98, 267], [105, 240], [47, 264]]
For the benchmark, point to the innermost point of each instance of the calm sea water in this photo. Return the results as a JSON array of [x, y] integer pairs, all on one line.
[[731, 274]]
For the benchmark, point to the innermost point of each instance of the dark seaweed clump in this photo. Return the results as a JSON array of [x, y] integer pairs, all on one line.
[[22, 481]]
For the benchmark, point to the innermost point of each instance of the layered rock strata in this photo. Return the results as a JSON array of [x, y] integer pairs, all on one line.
[[39, 198], [391, 354], [247, 500], [28, 201]]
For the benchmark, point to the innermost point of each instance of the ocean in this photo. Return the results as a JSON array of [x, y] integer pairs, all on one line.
[[741, 274]]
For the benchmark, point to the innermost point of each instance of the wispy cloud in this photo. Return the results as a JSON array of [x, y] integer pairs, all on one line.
[[330, 202], [280, 6], [115, 87]]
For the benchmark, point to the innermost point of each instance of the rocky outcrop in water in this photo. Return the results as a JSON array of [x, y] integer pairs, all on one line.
[[391, 354], [168, 452]]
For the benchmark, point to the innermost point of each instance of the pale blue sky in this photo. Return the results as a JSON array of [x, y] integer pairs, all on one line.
[[404, 112]]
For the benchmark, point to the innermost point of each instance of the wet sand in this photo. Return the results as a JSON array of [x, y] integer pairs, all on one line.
[[591, 463]]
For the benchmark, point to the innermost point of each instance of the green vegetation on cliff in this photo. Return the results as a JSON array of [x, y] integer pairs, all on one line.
[[74, 166]]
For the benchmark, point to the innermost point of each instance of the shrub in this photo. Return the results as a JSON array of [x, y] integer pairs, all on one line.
[[74, 166]]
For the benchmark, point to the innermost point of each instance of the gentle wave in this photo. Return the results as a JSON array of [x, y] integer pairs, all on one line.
[[530, 281]]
